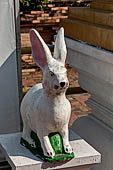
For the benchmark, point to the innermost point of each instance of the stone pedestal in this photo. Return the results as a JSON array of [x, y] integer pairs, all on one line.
[[95, 68], [22, 159]]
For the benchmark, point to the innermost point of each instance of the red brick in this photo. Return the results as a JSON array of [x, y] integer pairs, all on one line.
[[82, 99], [37, 12]]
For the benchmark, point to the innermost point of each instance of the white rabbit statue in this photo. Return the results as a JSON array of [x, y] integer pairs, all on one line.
[[45, 108]]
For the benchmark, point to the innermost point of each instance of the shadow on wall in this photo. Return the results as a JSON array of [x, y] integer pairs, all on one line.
[[9, 101]]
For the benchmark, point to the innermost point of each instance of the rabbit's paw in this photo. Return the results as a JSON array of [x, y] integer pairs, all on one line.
[[49, 153], [67, 148], [31, 142], [26, 136]]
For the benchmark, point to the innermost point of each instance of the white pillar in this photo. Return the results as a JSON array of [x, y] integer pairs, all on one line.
[[9, 64], [9, 94]]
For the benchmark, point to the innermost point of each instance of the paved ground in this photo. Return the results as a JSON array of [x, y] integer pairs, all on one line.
[[32, 75]]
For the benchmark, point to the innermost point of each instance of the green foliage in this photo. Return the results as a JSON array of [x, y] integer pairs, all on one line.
[[28, 5], [26, 2]]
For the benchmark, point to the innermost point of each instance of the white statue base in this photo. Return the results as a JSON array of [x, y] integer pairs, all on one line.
[[22, 159]]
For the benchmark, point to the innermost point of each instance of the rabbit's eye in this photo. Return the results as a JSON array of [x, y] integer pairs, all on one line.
[[51, 73]]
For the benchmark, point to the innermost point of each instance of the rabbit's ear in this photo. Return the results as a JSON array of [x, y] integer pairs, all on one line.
[[60, 51], [40, 51]]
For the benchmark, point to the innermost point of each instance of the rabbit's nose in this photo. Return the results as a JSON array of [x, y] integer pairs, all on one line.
[[62, 84]]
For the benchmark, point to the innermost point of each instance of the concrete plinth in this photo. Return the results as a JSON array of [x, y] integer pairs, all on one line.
[[22, 159], [95, 68]]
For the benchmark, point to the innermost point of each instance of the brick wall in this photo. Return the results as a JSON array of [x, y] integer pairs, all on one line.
[[47, 21]]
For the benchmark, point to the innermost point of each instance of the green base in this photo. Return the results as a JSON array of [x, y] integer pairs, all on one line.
[[56, 143]]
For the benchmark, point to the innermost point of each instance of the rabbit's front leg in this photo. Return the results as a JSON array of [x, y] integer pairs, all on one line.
[[45, 143], [26, 133], [64, 134]]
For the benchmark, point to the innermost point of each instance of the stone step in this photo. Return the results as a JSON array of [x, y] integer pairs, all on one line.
[[95, 68], [103, 5], [92, 15], [93, 34]]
